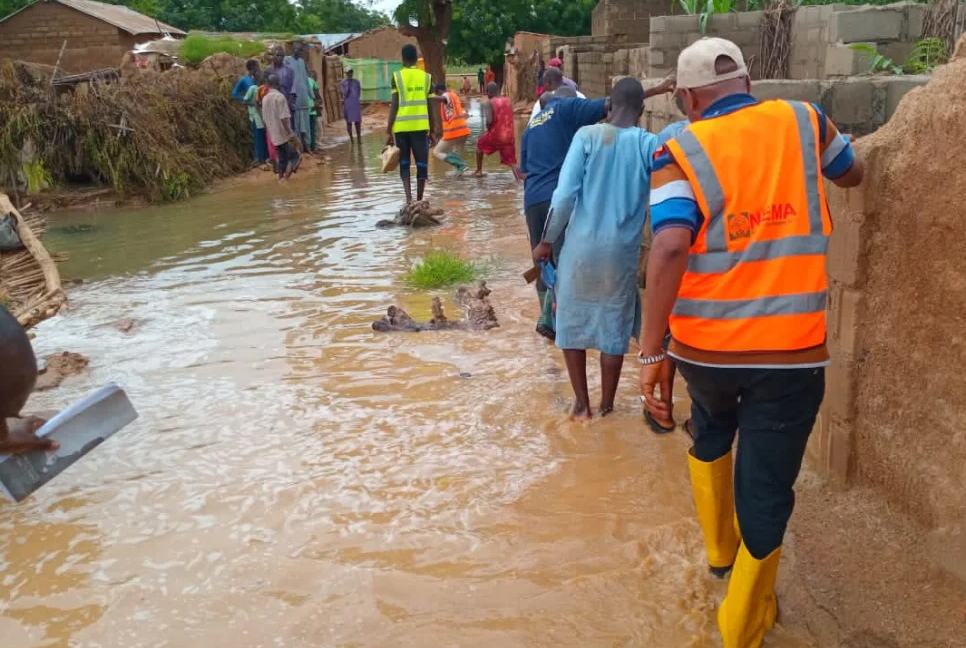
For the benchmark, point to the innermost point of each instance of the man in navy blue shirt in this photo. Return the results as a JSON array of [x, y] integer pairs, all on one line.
[[545, 143]]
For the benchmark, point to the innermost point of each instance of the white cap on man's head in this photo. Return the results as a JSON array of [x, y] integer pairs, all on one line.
[[696, 63]]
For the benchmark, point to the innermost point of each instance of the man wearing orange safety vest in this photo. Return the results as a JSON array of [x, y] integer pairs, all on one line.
[[455, 129], [737, 269]]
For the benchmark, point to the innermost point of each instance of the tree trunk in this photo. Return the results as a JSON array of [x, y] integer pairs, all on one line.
[[431, 34], [434, 57]]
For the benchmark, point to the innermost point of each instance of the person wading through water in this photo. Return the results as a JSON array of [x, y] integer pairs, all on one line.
[[499, 137], [601, 201], [455, 130], [737, 268], [278, 124], [351, 91], [409, 121]]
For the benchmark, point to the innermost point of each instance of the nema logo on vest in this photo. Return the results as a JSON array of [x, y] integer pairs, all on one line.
[[743, 224]]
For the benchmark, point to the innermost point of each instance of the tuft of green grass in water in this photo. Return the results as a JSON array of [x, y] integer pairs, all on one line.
[[197, 47], [441, 268]]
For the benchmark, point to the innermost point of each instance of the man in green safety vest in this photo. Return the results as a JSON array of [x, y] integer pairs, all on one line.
[[409, 121]]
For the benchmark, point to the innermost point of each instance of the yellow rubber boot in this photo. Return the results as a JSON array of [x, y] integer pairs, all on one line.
[[714, 498], [749, 609]]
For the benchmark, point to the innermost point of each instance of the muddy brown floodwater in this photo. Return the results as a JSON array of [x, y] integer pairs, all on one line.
[[297, 479]]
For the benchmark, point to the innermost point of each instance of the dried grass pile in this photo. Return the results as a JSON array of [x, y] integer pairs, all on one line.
[[163, 135]]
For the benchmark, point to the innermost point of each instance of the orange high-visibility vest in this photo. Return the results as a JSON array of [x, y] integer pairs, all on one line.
[[456, 126], [756, 271]]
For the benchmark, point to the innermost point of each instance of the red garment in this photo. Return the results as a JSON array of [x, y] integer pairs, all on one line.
[[500, 136]]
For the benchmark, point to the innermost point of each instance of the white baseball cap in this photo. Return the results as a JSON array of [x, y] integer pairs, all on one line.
[[696, 63]]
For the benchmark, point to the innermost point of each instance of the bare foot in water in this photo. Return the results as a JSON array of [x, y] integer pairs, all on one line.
[[606, 409], [581, 412], [478, 174]]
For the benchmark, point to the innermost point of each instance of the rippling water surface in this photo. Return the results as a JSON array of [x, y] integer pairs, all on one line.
[[296, 479]]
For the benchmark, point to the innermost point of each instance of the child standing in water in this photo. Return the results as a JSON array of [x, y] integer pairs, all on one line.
[[601, 201]]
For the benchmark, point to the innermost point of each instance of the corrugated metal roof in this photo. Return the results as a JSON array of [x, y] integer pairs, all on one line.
[[121, 17], [330, 41]]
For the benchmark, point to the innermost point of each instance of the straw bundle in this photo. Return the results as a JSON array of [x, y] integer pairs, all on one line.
[[29, 282], [164, 135]]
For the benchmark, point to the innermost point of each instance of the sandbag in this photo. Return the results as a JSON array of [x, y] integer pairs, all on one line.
[[390, 158], [9, 238]]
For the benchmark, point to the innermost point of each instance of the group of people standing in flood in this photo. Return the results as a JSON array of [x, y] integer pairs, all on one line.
[[409, 126], [283, 102], [282, 134]]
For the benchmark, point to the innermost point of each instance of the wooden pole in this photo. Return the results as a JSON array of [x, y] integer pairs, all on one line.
[[57, 65], [53, 297]]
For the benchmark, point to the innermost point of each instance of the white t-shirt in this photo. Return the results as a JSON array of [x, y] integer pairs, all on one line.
[[537, 108]]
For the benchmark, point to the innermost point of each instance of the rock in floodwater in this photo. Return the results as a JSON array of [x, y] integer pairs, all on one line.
[[124, 325], [478, 315], [58, 367], [415, 214]]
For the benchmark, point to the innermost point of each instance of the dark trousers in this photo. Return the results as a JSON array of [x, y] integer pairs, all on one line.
[[285, 154], [415, 143], [536, 216], [313, 125], [261, 145], [775, 410]]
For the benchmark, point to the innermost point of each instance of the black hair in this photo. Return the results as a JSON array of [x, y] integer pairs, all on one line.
[[628, 93], [19, 365], [439, 87], [251, 64], [410, 54]]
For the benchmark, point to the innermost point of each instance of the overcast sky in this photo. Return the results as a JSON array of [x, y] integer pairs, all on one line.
[[385, 6]]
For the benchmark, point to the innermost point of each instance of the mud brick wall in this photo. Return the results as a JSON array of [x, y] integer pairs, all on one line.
[[893, 419], [37, 33], [626, 21], [384, 43]]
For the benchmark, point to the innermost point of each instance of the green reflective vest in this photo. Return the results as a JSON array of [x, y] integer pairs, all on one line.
[[413, 86]]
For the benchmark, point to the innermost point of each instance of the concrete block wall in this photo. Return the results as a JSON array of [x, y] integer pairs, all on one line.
[[893, 29], [821, 36], [857, 105], [671, 34], [626, 20], [592, 61]]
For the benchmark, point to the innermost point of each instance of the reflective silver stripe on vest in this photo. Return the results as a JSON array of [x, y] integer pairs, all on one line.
[[797, 304], [713, 194], [810, 153], [715, 262], [403, 118]]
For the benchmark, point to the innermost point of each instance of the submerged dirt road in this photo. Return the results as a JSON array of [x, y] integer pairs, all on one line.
[[297, 479]]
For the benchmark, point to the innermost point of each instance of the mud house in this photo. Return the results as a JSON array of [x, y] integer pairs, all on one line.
[[384, 43], [93, 35]]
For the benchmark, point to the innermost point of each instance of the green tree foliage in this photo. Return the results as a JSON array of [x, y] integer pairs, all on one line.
[[305, 17], [481, 28], [336, 16]]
